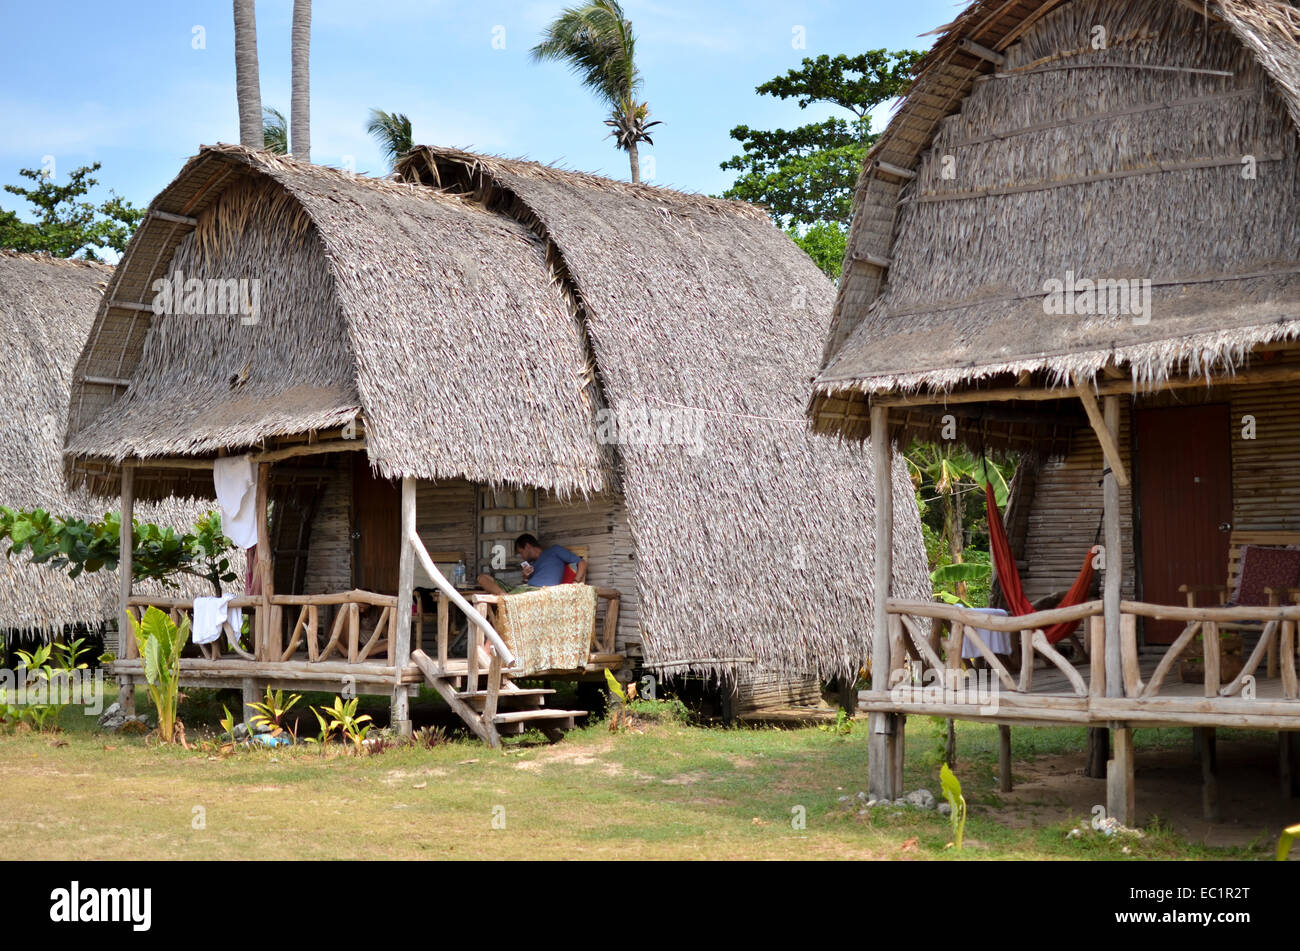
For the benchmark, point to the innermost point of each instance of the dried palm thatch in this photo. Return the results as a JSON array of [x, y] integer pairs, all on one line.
[[1049, 157], [427, 316], [46, 309], [483, 330], [753, 539]]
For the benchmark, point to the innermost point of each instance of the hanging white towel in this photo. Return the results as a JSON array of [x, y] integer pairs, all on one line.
[[237, 498], [210, 614]]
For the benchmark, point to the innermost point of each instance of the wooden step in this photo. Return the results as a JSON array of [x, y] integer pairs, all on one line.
[[509, 699], [505, 694], [543, 713]]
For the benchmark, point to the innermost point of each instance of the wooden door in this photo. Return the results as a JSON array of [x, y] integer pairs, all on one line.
[[376, 529], [1184, 503]]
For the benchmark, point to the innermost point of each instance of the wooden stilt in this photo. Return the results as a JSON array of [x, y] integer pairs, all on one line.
[[950, 746], [1098, 752], [882, 752], [1288, 746], [401, 650], [1204, 739], [1004, 757], [126, 639], [1120, 798], [262, 648], [251, 696]]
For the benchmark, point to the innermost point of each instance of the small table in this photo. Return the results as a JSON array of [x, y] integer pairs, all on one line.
[[999, 642]]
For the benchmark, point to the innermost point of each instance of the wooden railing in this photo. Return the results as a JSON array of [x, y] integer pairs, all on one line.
[[908, 643], [269, 645], [1278, 633]]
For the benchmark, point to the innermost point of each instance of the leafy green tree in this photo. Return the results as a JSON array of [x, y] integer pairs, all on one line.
[[957, 540], [275, 131], [65, 224], [392, 130], [805, 176], [158, 553], [597, 42]]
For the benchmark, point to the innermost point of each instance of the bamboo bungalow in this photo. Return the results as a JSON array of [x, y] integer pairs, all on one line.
[[430, 368], [46, 308], [1077, 240]]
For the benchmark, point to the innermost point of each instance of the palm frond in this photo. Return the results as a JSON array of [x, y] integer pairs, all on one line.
[[392, 130], [275, 131], [597, 42]]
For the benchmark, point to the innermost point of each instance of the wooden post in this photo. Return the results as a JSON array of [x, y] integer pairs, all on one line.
[[1004, 757], [1207, 753], [126, 640], [1114, 564], [265, 569], [250, 697], [1120, 799], [1288, 748], [401, 649], [881, 749]]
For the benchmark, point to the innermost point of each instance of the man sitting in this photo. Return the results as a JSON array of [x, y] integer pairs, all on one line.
[[542, 568]]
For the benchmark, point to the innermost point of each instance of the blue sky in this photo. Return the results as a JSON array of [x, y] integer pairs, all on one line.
[[122, 83]]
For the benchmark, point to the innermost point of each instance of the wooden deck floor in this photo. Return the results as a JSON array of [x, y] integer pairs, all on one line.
[[1052, 699]]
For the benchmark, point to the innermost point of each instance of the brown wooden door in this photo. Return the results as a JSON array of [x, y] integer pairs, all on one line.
[[376, 529], [1184, 496]]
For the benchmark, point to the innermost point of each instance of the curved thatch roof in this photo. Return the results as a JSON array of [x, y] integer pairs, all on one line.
[[46, 309], [750, 544], [429, 316], [1050, 157], [753, 543]]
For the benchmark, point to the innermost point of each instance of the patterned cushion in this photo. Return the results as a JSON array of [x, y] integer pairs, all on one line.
[[1263, 567]]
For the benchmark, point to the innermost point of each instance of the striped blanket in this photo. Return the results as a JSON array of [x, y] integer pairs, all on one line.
[[549, 629]]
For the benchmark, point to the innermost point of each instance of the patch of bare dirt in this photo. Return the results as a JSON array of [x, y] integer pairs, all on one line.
[[1054, 789]]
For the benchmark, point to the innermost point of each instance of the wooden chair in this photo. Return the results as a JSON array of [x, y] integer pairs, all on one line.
[[1237, 541]]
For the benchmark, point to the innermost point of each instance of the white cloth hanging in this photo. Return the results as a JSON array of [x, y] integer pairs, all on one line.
[[999, 642], [210, 614], [237, 498]]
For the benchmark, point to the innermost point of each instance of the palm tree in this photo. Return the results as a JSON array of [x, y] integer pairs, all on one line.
[[247, 88], [300, 97], [393, 132], [275, 131], [597, 42]]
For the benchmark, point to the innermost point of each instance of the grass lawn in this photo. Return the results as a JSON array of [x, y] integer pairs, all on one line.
[[664, 790]]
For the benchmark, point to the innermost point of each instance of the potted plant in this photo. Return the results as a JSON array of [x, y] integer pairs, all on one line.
[[1232, 651]]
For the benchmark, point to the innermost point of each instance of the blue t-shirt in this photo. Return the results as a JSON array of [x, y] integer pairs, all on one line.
[[548, 569]]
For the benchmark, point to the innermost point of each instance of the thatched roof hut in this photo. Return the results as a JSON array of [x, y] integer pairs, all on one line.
[[47, 306], [545, 300], [1020, 155], [1077, 238]]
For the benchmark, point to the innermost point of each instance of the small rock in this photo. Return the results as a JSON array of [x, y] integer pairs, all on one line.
[[862, 796], [900, 802], [844, 798], [872, 802], [240, 731], [922, 799], [945, 809], [114, 712]]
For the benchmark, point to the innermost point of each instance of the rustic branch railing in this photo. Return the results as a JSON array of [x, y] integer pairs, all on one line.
[[1279, 625], [908, 641], [1279, 629]]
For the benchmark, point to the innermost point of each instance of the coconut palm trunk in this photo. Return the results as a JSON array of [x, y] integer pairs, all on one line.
[[635, 160], [300, 96], [247, 88]]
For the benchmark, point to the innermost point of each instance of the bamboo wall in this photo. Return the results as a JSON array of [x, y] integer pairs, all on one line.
[[1265, 481], [600, 524]]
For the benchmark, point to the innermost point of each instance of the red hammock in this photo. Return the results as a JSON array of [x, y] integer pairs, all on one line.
[[1009, 577]]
